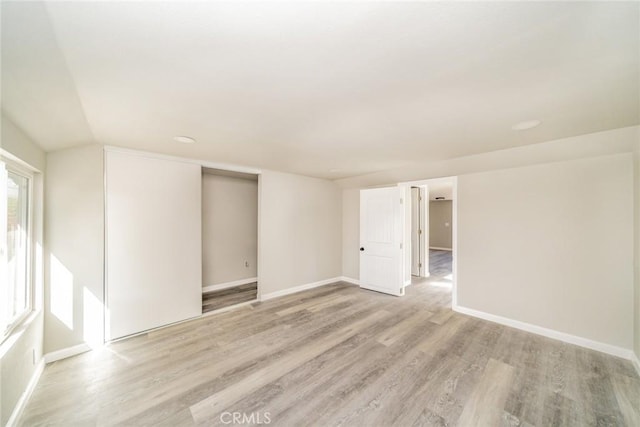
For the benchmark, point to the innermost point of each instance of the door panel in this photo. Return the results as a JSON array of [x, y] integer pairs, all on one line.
[[154, 250], [381, 237]]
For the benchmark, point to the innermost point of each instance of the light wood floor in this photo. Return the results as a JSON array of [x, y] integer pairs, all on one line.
[[440, 262], [227, 297], [340, 356]]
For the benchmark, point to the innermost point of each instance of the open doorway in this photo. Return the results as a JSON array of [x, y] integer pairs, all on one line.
[[430, 234], [229, 239], [440, 220]]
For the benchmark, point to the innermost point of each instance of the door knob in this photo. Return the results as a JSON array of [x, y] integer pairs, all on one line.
[[361, 249]]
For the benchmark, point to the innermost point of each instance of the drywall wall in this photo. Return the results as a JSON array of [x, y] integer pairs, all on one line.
[[17, 365], [229, 229], [299, 231], [16, 142], [351, 233], [550, 245], [637, 251], [22, 351], [440, 224], [74, 256]]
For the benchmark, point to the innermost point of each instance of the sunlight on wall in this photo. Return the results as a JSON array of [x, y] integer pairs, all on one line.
[[92, 316], [61, 294]]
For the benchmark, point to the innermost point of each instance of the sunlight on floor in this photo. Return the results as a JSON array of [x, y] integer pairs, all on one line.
[[93, 317], [441, 284]]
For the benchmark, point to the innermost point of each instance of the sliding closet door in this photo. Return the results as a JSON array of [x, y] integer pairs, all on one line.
[[154, 250]]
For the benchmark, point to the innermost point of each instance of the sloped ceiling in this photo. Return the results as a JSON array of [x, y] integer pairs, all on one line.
[[321, 89]]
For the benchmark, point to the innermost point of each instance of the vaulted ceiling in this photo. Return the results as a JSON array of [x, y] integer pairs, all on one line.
[[322, 89]]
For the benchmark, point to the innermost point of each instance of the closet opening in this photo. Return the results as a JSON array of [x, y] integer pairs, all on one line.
[[229, 239]]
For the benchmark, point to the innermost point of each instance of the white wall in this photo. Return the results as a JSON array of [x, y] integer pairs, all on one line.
[[550, 245], [299, 231], [15, 141], [229, 229], [21, 353], [637, 249], [351, 233], [74, 232]]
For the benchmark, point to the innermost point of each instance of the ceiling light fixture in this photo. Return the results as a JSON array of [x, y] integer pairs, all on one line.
[[529, 124], [184, 139]]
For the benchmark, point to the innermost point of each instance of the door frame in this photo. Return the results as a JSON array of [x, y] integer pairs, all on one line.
[[454, 229], [423, 238]]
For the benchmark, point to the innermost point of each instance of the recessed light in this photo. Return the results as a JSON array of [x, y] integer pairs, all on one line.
[[184, 139], [529, 124]]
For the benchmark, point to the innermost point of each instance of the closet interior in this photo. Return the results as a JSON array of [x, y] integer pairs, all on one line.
[[229, 238]]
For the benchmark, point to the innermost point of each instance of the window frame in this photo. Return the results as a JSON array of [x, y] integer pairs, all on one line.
[[16, 322]]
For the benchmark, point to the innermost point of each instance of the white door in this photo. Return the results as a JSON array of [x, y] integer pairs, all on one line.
[[153, 243], [381, 237]]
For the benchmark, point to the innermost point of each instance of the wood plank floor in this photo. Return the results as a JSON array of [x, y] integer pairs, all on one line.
[[440, 262], [216, 300], [340, 356]]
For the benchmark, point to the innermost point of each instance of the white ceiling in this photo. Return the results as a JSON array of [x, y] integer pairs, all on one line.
[[311, 87]]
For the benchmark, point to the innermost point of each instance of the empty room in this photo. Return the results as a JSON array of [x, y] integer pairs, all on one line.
[[320, 213]]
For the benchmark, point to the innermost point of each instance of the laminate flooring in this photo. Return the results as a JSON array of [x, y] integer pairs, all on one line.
[[216, 300], [440, 262], [339, 356]]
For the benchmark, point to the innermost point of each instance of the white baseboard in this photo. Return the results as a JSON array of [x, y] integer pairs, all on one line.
[[227, 285], [350, 280], [636, 362], [24, 398], [549, 333], [436, 248], [300, 288], [66, 352]]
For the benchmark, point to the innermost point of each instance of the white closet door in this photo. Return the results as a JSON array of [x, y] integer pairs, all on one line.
[[153, 238]]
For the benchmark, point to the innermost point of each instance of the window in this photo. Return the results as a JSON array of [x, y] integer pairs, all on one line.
[[15, 246]]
